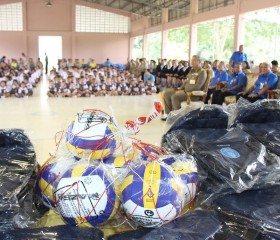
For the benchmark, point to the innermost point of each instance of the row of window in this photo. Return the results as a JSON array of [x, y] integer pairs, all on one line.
[[87, 20], [94, 20]]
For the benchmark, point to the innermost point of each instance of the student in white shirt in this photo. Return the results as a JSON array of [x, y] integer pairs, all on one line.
[[22, 90], [123, 88], [109, 88], [52, 89], [63, 90], [150, 87], [4, 92], [83, 90], [94, 88]]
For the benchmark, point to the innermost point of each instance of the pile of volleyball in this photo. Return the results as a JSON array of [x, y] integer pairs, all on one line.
[[100, 175]]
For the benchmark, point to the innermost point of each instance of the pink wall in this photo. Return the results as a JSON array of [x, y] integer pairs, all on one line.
[[103, 45], [42, 18], [12, 44], [59, 20]]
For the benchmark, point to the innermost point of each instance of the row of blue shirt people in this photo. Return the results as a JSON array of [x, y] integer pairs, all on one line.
[[236, 82]]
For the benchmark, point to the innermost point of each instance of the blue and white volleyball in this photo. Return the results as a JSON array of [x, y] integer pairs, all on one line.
[[47, 176], [91, 132], [185, 167], [152, 195], [85, 195]]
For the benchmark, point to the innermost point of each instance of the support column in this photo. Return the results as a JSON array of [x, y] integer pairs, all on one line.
[[193, 29], [239, 27], [164, 20], [146, 25], [73, 35], [25, 30]]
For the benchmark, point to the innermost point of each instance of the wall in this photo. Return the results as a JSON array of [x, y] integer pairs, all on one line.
[[59, 20]]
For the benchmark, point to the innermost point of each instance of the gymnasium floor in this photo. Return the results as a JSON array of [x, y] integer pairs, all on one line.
[[42, 117]]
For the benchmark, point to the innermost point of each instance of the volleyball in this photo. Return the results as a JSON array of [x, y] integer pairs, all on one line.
[[151, 195], [85, 195], [47, 175], [186, 169], [91, 132]]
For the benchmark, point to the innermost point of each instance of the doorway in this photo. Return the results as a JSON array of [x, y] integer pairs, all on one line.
[[50, 46]]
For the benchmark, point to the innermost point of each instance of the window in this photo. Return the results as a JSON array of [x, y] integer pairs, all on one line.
[[154, 46], [137, 50], [215, 46], [262, 33], [207, 5], [94, 20], [177, 46], [11, 17]]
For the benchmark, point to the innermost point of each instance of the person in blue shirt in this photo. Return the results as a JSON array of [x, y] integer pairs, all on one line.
[[236, 82], [148, 76], [238, 57], [107, 63], [267, 80], [219, 77]]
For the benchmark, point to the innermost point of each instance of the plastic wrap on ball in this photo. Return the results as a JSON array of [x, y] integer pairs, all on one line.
[[92, 132], [152, 194], [185, 167], [85, 195], [48, 175]]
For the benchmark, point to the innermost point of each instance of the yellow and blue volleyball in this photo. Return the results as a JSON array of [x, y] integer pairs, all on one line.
[[92, 132], [44, 185], [186, 169], [47, 176], [85, 195], [151, 195], [119, 162]]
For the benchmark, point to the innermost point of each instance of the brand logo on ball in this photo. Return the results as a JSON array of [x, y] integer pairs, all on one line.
[[229, 152], [67, 197], [149, 213]]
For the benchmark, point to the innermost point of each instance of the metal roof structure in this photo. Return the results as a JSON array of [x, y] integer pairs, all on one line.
[[149, 8]]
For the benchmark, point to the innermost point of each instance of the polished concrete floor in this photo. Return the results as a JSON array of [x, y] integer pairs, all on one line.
[[42, 117]]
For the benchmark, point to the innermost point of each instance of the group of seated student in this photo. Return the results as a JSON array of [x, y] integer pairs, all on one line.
[[98, 81], [167, 73], [18, 78]]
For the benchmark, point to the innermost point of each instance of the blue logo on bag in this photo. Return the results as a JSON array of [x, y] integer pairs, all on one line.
[[229, 152]]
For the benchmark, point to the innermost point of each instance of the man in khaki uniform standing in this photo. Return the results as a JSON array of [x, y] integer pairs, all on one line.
[[195, 81]]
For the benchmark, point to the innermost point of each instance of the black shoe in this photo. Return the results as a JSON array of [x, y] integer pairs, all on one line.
[[163, 119]]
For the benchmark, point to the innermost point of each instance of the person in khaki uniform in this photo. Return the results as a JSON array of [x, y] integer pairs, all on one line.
[[195, 81]]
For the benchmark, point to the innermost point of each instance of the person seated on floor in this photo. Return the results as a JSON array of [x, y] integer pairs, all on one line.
[[14, 88], [150, 88], [22, 90], [267, 80], [4, 92], [82, 88], [236, 82], [142, 88], [195, 81], [63, 90], [72, 89], [108, 88], [133, 88], [28, 86], [52, 89], [94, 88], [219, 77], [123, 88]]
